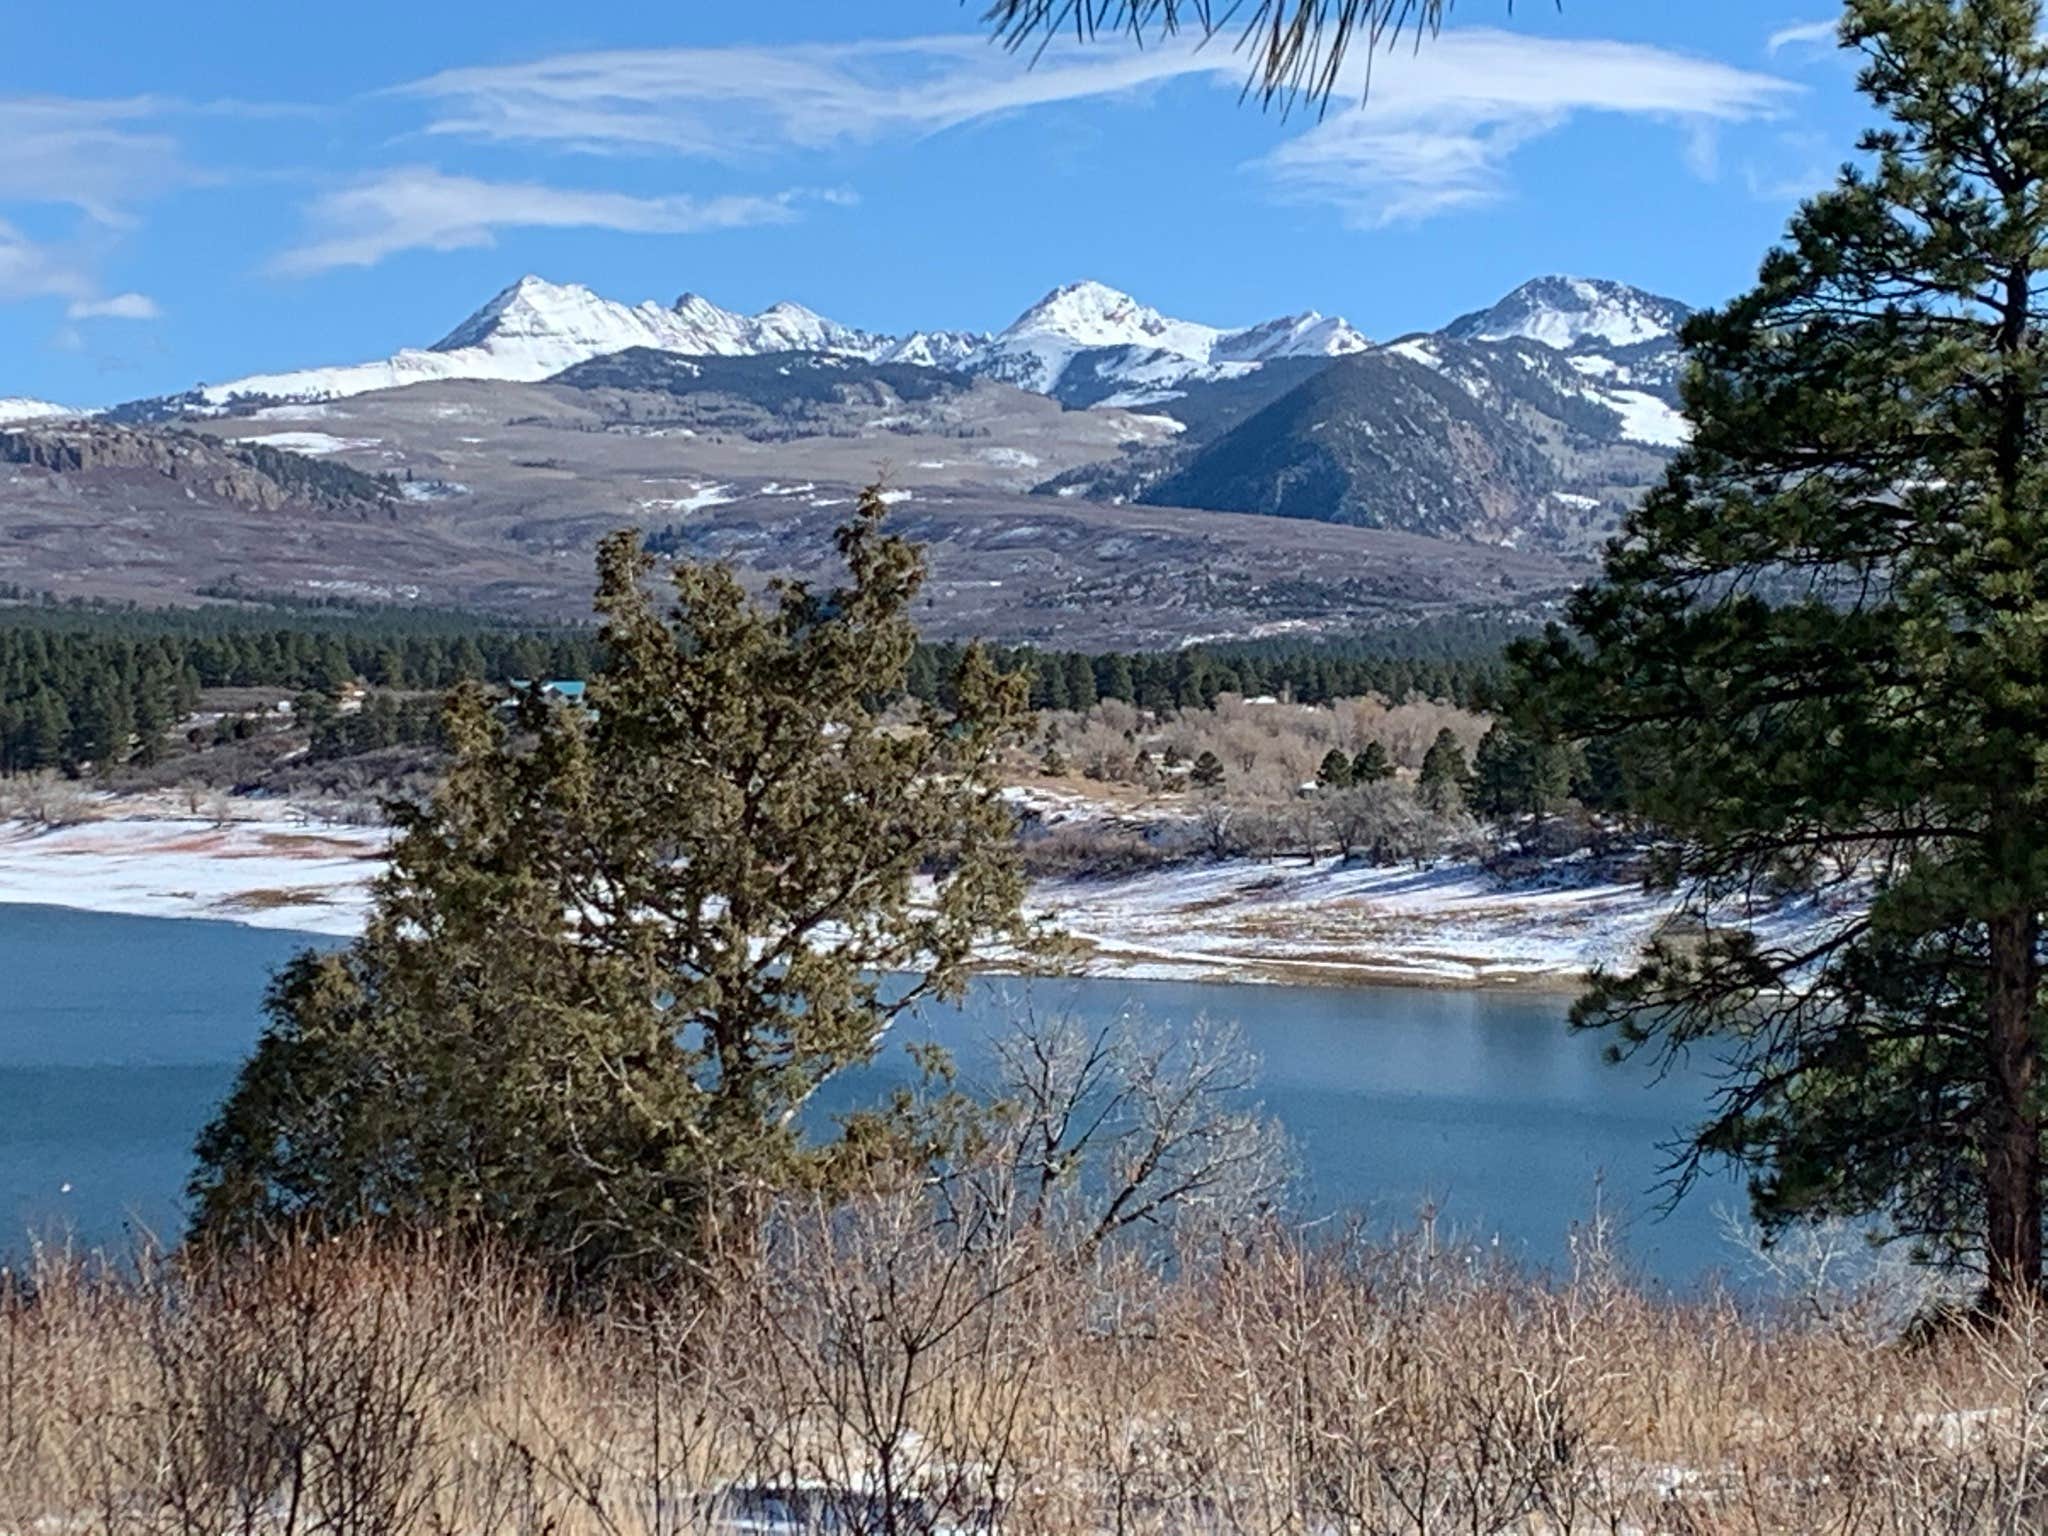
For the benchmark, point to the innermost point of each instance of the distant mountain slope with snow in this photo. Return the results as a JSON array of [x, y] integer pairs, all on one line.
[[19, 408], [1533, 423]]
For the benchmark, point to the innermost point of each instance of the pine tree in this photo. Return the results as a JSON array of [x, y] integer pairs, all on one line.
[[1080, 683], [1049, 684], [1821, 650], [622, 948], [1372, 765], [1445, 779], [1113, 679], [1517, 774], [45, 728], [1335, 772]]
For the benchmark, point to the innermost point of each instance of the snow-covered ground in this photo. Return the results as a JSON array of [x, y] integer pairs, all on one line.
[[275, 871], [1239, 920], [1451, 924]]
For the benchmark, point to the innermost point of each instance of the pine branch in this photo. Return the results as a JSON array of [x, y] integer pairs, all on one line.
[[1295, 49]]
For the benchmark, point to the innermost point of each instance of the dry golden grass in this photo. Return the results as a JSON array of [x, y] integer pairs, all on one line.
[[879, 1370]]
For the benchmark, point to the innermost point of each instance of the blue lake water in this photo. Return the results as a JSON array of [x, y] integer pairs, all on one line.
[[118, 1035]]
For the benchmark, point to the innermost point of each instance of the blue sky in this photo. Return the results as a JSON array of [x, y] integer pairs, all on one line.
[[202, 191]]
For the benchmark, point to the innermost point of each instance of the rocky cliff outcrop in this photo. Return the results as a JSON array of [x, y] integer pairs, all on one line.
[[241, 474]]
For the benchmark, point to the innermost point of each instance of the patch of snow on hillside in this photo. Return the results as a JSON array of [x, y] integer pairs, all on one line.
[[303, 411], [1009, 458], [701, 497], [1127, 399], [1164, 426], [309, 442], [1646, 419], [432, 490]]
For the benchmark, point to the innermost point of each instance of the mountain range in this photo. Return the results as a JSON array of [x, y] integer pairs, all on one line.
[[1084, 344], [1096, 468]]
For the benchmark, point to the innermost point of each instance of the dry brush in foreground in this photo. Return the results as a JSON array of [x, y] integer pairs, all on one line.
[[888, 1366]]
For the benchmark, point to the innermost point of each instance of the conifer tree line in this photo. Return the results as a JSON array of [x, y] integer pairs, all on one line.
[[1196, 677], [101, 688], [82, 685]]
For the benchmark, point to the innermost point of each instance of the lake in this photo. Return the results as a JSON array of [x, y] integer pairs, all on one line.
[[118, 1035]]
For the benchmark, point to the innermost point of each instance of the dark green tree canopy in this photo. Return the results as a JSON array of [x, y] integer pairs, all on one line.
[[1817, 656]]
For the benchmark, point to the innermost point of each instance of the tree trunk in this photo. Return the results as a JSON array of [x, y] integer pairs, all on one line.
[[2012, 1124]]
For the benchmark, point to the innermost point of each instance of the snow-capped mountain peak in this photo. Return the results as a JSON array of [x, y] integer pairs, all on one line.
[[789, 327], [1308, 334], [1570, 312], [530, 307], [1149, 350], [1094, 314], [936, 349]]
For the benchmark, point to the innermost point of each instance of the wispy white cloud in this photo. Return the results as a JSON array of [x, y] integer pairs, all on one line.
[[119, 306], [100, 157], [1438, 133], [1434, 134], [419, 208], [1803, 35], [32, 269], [725, 103]]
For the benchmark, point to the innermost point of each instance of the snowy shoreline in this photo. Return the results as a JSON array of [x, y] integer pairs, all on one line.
[[1242, 920], [266, 873]]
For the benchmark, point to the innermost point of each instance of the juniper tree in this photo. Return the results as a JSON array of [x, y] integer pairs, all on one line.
[[1818, 649], [622, 948]]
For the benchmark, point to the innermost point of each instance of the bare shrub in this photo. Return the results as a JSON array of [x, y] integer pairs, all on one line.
[[45, 800], [970, 1354], [1100, 850], [1268, 749]]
